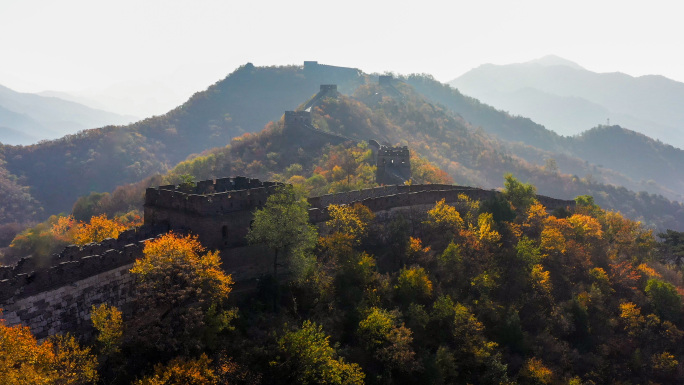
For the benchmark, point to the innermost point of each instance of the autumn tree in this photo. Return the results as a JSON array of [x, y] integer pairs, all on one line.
[[444, 222], [58, 360], [353, 270], [109, 325], [413, 285], [183, 371], [98, 229], [181, 294], [347, 226]]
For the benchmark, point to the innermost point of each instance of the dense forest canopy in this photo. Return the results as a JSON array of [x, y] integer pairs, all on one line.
[[488, 292]]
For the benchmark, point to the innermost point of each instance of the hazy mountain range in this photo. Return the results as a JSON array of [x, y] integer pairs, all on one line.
[[473, 142], [568, 99], [26, 118]]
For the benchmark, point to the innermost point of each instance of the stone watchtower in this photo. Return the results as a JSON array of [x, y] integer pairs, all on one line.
[[393, 163], [328, 88], [297, 119], [385, 80], [218, 211]]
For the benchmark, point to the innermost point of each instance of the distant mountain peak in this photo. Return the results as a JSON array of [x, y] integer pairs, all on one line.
[[553, 60]]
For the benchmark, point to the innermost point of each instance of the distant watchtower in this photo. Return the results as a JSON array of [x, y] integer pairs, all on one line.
[[294, 119], [393, 163], [385, 80]]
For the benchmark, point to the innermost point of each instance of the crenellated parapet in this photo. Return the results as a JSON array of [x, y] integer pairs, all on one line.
[[207, 198], [218, 211], [55, 294], [33, 275]]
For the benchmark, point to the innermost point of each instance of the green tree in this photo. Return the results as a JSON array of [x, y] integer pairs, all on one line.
[[665, 300], [521, 195], [672, 246], [308, 358], [283, 225]]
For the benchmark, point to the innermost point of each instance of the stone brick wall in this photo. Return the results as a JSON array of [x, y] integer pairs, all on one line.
[[67, 308]]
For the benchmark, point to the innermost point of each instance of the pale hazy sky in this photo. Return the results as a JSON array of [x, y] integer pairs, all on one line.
[[74, 45]]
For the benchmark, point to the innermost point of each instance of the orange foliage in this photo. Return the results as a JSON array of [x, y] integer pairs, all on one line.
[[59, 360], [182, 370], [203, 269], [624, 275], [99, 229]]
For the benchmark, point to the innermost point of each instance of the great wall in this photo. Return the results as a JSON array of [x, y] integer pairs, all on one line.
[[54, 295]]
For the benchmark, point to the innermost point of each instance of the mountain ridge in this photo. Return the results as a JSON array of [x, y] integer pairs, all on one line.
[[44, 118], [58, 172], [629, 101]]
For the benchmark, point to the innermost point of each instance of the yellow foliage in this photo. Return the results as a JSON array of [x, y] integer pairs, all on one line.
[[338, 173], [649, 271], [536, 215], [107, 320], [535, 370], [182, 371], [445, 216], [58, 360], [350, 220], [471, 206], [297, 180], [65, 228], [664, 363], [631, 316], [552, 240], [414, 281], [415, 248], [541, 279], [585, 226], [204, 269], [486, 231], [99, 229]]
